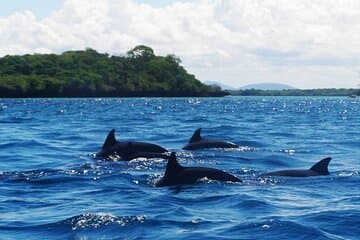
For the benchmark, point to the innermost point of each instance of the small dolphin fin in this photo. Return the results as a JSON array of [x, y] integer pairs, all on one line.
[[110, 140], [321, 167], [196, 136], [173, 165]]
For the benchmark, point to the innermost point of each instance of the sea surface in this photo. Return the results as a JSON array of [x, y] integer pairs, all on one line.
[[51, 187]]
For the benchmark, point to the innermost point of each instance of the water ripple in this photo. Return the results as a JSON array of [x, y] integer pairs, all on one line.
[[50, 185]]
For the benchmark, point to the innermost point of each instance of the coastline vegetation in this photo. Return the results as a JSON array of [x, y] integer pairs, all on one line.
[[138, 73], [297, 92]]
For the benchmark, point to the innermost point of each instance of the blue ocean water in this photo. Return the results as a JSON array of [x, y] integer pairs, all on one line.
[[51, 187]]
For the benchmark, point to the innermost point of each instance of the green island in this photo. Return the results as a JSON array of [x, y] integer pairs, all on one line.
[[138, 73], [352, 92]]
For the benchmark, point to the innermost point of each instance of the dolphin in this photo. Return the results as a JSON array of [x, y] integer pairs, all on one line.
[[122, 149], [318, 169], [176, 174], [197, 142]]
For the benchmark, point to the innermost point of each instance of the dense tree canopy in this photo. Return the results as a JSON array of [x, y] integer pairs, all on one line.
[[89, 74]]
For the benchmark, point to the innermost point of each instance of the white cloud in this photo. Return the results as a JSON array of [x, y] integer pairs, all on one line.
[[305, 43]]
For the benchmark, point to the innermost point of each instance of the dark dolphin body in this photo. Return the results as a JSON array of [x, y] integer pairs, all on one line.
[[318, 169], [126, 149], [197, 142], [176, 174]]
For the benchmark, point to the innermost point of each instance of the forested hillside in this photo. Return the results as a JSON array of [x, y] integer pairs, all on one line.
[[88, 73]]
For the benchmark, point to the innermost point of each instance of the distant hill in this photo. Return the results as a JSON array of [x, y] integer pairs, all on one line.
[[267, 86], [223, 86], [298, 92]]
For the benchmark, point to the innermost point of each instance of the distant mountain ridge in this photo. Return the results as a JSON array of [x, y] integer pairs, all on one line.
[[268, 86]]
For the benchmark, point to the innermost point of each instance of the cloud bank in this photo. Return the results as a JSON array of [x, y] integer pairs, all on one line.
[[307, 44]]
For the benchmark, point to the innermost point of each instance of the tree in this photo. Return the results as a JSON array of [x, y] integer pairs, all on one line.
[[141, 51]]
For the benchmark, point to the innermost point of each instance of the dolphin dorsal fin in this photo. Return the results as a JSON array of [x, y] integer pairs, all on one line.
[[173, 165], [321, 167], [196, 136], [110, 139]]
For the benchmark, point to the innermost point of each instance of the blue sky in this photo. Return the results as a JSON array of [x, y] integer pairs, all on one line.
[[41, 8], [306, 44]]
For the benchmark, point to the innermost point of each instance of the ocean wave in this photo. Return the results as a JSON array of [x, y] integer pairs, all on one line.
[[80, 222], [275, 228], [97, 220], [51, 186], [53, 176]]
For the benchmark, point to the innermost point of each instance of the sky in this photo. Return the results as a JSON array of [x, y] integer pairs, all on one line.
[[305, 44]]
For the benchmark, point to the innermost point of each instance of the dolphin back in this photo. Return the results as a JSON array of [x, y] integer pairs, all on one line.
[[197, 142], [110, 140], [176, 174], [321, 167], [125, 149], [218, 175], [196, 136]]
